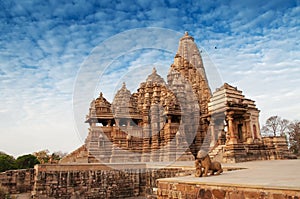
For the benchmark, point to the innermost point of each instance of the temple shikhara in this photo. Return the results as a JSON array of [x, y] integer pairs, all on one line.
[[172, 119]]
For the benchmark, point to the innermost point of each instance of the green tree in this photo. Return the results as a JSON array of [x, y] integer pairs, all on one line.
[[26, 161], [294, 137], [7, 162]]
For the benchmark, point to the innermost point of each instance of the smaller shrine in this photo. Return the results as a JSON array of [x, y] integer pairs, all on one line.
[[229, 108], [235, 129]]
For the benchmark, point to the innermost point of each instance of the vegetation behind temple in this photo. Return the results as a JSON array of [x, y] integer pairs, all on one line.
[[277, 126], [8, 162]]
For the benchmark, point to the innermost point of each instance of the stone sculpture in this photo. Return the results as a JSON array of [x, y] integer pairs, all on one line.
[[204, 164], [198, 168]]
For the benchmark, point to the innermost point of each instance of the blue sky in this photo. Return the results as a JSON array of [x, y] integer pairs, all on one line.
[[44, 45]]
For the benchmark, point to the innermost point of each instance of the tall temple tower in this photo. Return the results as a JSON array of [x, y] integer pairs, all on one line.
[[188, 62], [187, 78], [162, 121]]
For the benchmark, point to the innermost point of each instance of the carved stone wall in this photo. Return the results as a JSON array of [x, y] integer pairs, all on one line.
[[87, 180], [99, 181], [279, 146], [271, 148], [17, 181]]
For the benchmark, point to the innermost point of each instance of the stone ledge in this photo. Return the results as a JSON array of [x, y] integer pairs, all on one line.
[[186, 190], [89, 166], [268, 179]]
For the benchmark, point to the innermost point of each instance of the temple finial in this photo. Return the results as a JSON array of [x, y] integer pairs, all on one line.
[[186, 36], [154, 70], [124, 85]]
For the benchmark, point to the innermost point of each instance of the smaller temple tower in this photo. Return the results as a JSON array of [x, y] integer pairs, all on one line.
[[235, 130], [229, 108]]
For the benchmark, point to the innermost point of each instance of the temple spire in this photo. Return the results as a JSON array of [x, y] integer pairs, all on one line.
[[187, 37], [124, 85], [154, 70], [188, 62]]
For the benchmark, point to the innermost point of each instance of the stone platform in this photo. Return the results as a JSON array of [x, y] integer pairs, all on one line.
[[258, 179]]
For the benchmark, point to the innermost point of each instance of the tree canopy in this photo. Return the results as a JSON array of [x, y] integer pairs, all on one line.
[[26, 161], [275, 126], [294, 137], [7, 162]]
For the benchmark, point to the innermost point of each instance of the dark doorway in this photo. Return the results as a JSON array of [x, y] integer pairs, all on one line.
[[240, 132]]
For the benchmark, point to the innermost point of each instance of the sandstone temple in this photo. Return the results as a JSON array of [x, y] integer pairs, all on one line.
[[136, 142], [172, 119]]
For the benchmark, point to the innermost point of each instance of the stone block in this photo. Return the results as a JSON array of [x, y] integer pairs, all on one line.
[[219, 193]]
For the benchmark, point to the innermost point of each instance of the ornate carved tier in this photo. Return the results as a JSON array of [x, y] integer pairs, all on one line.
[[100, 112]]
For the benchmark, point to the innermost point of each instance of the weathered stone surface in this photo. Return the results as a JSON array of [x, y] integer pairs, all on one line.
[[219, 193], [87, 180], [279, 196], [249, 195], [207, 191], [205, 194], [17, 181], [235, 194]]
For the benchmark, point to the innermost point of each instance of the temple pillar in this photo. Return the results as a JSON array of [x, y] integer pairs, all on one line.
[[128, 122], [146, 143], [117, 122], [248, 130], [169, 119], [154, 132], [232, 139]]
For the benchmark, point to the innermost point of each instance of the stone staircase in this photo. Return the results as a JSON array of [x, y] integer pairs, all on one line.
[[216, 154], [99, 149]]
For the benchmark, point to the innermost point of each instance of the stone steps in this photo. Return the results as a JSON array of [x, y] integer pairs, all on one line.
[[216, 151]]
